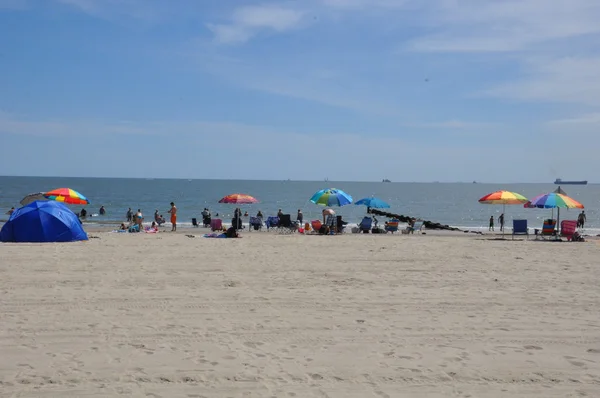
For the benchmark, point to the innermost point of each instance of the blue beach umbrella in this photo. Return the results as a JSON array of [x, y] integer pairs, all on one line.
[[331, 197], [375, 203]]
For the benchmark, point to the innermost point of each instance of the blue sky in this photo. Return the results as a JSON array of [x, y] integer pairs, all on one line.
[[410, 90]]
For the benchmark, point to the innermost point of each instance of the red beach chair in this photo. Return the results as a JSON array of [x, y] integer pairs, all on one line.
[[216, 224], [568, 228]]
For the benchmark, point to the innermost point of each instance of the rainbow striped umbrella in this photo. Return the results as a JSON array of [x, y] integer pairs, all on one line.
[[331, 197], [503, 198], [238, 198], [554, 200], [68, 196]]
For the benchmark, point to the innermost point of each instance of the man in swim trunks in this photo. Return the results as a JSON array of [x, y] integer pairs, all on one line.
[[173, 212]]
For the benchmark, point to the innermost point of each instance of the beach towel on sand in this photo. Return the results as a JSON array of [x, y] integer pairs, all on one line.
[[219, 236]]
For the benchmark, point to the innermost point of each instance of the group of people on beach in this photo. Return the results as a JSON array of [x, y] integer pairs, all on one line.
[[137, 218], [500, 221], [581, 219]]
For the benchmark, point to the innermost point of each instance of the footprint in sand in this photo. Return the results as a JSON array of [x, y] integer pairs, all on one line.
[[532, 347]]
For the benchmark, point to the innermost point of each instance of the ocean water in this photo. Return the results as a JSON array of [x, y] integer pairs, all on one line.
[[455, 204]]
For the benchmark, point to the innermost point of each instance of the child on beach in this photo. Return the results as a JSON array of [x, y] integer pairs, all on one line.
[[491, 228]]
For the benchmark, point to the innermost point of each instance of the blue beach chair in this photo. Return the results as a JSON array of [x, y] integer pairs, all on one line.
[[365, 225], [255, 223], [520, 228], [272, 222]]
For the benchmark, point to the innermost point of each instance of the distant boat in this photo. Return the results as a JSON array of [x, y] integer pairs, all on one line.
[[385, 180], [559, 181]]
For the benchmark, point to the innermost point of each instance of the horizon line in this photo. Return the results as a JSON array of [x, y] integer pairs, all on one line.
[[284, 180]]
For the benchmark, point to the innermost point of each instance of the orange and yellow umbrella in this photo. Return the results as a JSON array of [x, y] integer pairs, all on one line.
[[503, 198], [67, 195], [238, 198]]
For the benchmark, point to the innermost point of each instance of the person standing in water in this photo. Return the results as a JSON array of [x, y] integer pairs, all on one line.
[[491, 228], [581, 219], [173, 212], [501, 221], [102, 210]]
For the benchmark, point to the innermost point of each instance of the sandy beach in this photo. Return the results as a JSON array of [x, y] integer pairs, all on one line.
[[166, 315]]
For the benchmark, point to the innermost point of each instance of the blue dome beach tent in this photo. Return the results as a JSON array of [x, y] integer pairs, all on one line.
[[39, 221]]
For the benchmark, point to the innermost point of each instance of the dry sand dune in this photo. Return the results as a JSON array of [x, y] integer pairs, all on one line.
[[299, 316]]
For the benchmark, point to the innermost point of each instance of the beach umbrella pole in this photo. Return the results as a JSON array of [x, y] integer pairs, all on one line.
[[558, 222], [503, 212]]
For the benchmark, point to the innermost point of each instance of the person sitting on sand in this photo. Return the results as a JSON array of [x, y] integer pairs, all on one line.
[[152, 228], [231, 233], [123, 227]]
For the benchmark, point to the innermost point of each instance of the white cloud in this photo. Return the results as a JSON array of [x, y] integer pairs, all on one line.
[[567, 80], [590, 119], [508, 25], [248, 21]]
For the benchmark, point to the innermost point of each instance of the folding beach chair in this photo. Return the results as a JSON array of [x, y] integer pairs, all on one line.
[[568, 228], [255, 223], [340, 224], [272, 222], [286, 226], [417, 226], [331, 223], [520, 228], [548, 230], [392, 225], [365, 225], [216, 224]]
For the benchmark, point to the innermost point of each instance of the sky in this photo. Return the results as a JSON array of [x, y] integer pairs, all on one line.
[[359, 90]]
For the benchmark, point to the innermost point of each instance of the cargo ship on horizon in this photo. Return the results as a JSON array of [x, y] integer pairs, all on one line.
[[564, 182]]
